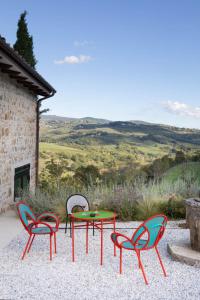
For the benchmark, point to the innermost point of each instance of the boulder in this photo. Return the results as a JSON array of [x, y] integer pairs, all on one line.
[[193, 221]]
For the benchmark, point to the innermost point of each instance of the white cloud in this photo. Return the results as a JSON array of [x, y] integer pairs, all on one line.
[[83, 43], [182, 109], [74, 59]]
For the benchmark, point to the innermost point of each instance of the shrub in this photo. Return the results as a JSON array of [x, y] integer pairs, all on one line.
[[174, 207], [132, 201], [121, 199]]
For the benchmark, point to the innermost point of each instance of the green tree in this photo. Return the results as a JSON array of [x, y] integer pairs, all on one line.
[[88, 175], [24, 42], [180, 157], [51, 176], [158, 167]]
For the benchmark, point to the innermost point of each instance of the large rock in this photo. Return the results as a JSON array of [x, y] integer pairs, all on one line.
[[193, 221], [184, 254]]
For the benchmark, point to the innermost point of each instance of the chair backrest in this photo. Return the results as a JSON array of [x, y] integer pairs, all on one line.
[[76, 200], [154, 228], [25, 212]]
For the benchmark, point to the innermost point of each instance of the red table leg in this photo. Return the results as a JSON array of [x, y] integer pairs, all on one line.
[[101, 243], [73, 258], [87, 238], [114, 227], [55, 248]]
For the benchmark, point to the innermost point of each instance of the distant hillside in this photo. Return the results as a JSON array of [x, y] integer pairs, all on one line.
[[58, 119], [92, 131]]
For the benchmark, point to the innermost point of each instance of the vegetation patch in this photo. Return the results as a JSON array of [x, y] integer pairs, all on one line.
[[135, 169]]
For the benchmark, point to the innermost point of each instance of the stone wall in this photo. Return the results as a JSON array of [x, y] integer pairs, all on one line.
[[17, 135]]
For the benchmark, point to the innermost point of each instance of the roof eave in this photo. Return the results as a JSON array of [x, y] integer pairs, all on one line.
[[16, 67]]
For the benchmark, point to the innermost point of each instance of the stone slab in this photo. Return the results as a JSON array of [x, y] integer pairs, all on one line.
[[184, 254]]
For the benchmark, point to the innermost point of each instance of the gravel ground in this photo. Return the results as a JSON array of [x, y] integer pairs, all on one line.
[[38, 278]]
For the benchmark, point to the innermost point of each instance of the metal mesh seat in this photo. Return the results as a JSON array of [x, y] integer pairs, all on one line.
[[146, 237], [75, 201], [35, 226]]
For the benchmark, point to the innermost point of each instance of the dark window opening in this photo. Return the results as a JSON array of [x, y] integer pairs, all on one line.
[[21, 181]]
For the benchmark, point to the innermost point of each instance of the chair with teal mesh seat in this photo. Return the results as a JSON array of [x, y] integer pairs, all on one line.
[[146, 237], [35, 226]]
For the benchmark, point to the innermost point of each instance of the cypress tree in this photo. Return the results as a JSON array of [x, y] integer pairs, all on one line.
[[24, 42]]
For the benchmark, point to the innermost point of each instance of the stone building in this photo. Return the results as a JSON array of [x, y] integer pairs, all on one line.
[[21, 91]]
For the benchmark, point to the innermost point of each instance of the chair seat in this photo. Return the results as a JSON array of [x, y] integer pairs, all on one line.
[[128, 245], [40, 230]]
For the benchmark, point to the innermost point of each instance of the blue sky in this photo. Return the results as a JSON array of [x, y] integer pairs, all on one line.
[[119, 60]]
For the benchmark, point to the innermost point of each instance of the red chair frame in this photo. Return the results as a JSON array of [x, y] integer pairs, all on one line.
[[35, 223], [115, 238]]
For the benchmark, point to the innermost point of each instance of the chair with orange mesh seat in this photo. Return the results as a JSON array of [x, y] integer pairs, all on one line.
[[146, 237], [35, 226]]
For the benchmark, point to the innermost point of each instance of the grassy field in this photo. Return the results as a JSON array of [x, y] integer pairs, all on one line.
[[56, 148], [104, 157], [185, 170]]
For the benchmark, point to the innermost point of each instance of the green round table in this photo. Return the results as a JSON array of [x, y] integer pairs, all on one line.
[[96, 219]]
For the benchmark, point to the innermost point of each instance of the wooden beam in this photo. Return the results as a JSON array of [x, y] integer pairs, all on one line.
[[10, 71], [18, 77], [5, 65]]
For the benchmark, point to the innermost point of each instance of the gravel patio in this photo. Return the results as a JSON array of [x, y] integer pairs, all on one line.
[[38, 278]]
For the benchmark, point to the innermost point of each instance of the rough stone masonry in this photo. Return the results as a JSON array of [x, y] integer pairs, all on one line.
[[17, 135]]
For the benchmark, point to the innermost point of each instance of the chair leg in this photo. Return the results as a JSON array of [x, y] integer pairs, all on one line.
[[26, 246], [55, 248], [161, 263], [139, 260], [50, 237], [120, 265], [29, 248], [141, 266], [66, 226], [93, 228], [87, 226], [70, 224]]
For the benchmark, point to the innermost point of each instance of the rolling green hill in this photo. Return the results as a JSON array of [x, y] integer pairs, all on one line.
[[111, 145], [91, 131]]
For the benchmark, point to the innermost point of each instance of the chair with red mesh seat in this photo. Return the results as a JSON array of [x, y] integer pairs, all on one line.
[[35, 226], [146, 237]]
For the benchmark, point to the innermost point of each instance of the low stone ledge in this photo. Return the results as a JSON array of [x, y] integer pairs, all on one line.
[[184, 254]]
